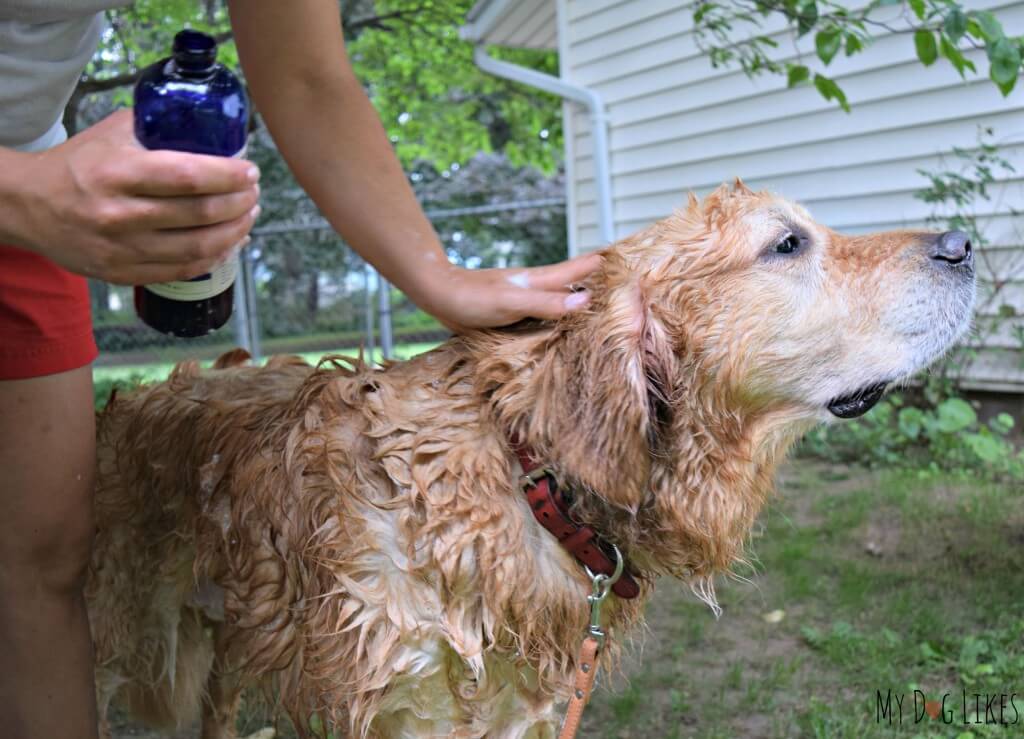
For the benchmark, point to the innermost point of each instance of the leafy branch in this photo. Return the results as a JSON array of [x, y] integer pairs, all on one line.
[[730, 33], [94, 83]]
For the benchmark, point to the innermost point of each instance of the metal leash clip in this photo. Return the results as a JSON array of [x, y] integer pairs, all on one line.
[[602, 585], [531, 478]]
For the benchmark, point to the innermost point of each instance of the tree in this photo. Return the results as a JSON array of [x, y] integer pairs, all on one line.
[[435, 103], [524, 236], [439, 107]]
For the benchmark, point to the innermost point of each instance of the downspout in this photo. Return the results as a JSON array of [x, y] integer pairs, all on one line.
[[598, 124]]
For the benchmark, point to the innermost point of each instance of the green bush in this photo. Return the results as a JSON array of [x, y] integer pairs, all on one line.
[[946, 435]]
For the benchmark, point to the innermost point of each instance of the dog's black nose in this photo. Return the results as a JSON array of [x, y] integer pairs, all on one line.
[[953, 247]]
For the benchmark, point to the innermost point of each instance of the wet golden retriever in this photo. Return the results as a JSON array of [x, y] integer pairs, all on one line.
[[355, 540]]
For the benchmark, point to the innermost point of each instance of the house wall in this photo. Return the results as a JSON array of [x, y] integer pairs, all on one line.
[[522, 23], [678, 124]]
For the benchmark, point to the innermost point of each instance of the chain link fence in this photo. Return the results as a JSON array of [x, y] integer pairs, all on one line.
[[301, 290]]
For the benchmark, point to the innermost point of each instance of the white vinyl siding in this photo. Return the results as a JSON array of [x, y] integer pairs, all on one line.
[[526, 23]]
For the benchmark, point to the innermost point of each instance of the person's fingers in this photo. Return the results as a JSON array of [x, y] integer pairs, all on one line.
[[147, 274], [164, 172], [176, 251], [556, 276], [190, 245], [177, 173], [547, 305], [190, 211]]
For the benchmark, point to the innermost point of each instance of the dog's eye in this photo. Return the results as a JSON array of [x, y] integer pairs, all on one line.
[[788, 245]]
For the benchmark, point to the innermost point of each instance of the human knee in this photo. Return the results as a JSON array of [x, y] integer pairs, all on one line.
[[53, 551]]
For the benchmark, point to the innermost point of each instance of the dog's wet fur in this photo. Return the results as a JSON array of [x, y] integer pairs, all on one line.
[[353, 539]]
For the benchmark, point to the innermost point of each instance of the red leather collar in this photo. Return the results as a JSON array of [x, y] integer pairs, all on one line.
[[551, 509]]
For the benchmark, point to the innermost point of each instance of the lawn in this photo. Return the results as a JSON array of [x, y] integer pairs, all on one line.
[[159, 371], [864, 582]]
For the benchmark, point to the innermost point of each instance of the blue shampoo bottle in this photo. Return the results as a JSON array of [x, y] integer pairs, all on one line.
[[189, 102]]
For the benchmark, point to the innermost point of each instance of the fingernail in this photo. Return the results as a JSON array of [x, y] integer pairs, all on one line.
[[255, 212], [577, 300], [243, 243], [253, 173]]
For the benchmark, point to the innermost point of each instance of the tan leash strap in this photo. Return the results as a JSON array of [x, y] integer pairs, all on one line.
[[586, 672]]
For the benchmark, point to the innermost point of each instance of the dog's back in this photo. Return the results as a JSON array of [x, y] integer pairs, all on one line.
[[158, 446]]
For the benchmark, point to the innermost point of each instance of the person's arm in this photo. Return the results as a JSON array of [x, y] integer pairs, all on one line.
[[301, 81], [102, 206]]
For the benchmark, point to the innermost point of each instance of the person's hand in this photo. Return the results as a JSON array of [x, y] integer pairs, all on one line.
[[479, 298], [103, 206]]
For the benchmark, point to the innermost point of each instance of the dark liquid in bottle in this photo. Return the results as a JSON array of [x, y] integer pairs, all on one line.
[[184, 318]]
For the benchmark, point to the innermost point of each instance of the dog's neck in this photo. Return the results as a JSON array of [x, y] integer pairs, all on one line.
[[675, 480]]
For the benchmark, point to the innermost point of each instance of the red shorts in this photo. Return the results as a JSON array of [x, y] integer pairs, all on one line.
[[45, 321]]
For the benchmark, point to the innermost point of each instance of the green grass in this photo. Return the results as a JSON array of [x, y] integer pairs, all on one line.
[[888, 581], [159, 370], [106, 378]]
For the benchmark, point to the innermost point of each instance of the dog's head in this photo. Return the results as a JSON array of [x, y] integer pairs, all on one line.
[[717, 336], [771, 311]]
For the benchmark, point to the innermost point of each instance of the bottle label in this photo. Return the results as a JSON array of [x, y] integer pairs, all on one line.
[[201, 287], [206, 285]]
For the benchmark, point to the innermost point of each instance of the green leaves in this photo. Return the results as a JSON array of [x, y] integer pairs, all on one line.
[[955, 24], [827, 43], [955, 414], [910, 422], [955, 56], [408, 55], [945, 436], [939, 28], [807, 17], [990, 28], [1004, 64], [853, 44], [437, 105], [831, 91], [927, 49], [797, 73], [1002, 423], [988, 448], [702, 10]]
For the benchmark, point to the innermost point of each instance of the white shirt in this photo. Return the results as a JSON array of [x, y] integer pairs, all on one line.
[[44, 46]]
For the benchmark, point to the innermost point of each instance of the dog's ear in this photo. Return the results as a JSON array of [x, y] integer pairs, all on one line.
[[619, 372]]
